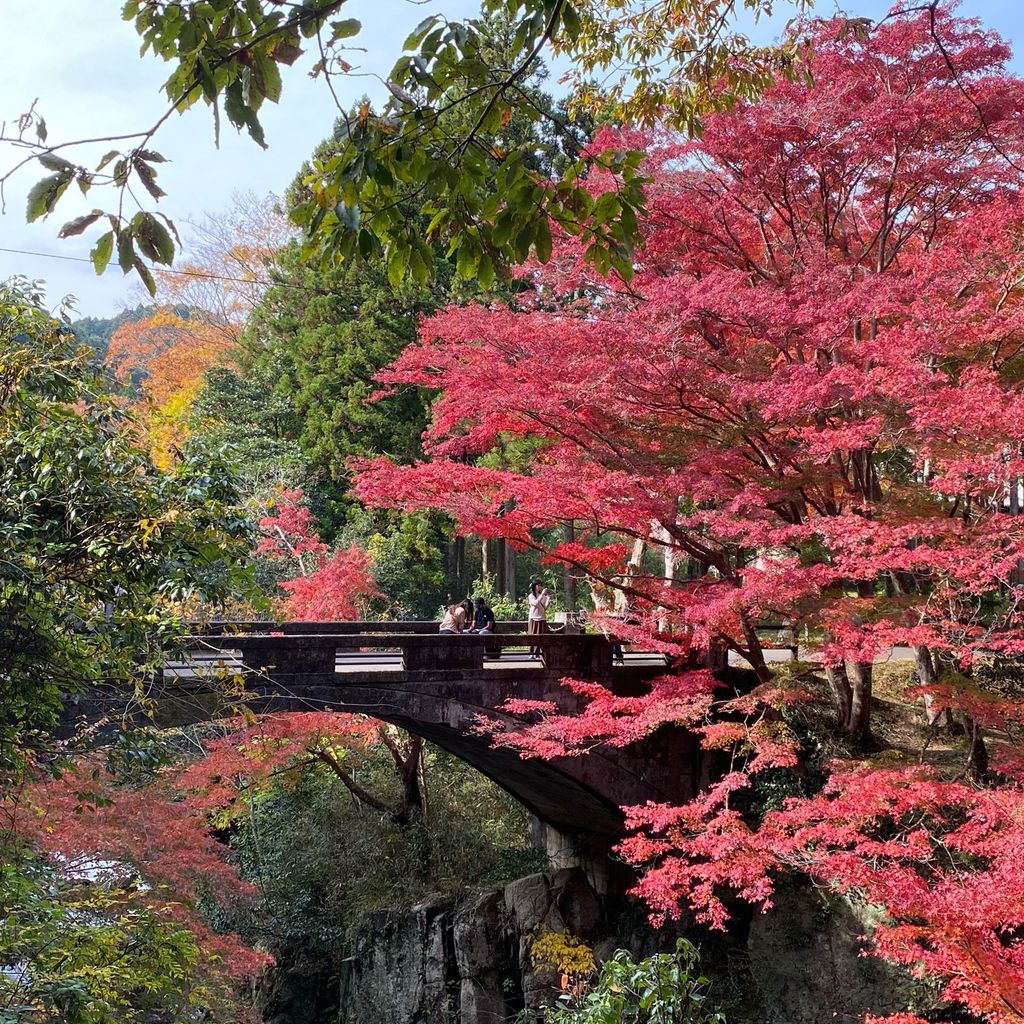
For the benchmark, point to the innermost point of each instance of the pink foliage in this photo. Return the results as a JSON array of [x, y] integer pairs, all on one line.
[[337, 589], [818, 360], [330, 585]]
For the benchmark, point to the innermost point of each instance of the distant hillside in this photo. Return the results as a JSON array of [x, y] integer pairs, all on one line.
[[96, 331]]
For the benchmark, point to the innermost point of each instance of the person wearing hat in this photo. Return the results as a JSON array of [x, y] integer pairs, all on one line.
[[537, 622]]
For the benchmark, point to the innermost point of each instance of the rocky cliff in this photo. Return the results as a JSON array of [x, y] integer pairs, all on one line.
[[468, 961]]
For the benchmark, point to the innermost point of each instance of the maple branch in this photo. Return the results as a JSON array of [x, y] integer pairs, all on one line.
[[359, 792]]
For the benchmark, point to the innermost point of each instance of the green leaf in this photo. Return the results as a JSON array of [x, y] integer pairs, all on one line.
[[345, 29], [55, 163], [570, 21], [367, 243], [419, 33], [468, 259], [102, 251], [43, 195], [125, 250], [147, 278], [41, 132], [240, 114], [154, 239], [485, 272], [271, 78], [398, 259], [542, 241]]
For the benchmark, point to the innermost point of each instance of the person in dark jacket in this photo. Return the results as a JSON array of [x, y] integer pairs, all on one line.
[[483, 617], [484, 624]]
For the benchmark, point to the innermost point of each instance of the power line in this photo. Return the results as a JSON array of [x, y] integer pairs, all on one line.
[[178, 273]]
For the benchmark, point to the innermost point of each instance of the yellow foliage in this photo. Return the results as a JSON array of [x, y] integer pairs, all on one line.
[[562, 951], [167, 426]]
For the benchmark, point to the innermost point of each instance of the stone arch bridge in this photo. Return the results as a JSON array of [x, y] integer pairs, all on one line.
[[438, 687]]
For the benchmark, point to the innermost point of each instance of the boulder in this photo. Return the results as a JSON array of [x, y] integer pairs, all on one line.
[[400, 969], [481, 1001], [808, 966], [577, 906], [528, 901], [478, 935]]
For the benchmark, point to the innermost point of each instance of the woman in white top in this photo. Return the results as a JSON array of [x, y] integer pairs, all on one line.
[[537, 621]]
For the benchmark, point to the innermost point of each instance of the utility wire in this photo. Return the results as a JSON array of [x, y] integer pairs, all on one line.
[[178, 273]]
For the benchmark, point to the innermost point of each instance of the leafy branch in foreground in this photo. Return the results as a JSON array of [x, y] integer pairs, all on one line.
[[438, 143]]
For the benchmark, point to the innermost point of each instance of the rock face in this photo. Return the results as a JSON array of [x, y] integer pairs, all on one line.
[[807, 962], [469, 961], [401, 968], [465, 963]]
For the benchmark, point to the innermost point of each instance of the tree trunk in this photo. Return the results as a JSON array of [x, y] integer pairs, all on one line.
[[851, 696], [860, 674], [671, 557], [413, 805], [568, 579], [632, 569], [977, 752], [459, 584], [927, 674], [488, 569], [501, 579], [510, 571], [842, 692]]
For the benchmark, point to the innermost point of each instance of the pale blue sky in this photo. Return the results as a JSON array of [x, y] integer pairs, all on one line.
[[82, 63]]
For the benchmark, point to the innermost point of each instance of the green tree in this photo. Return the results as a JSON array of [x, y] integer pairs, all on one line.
[[245, 416], [489, 204], [97, 547], [324, 333]]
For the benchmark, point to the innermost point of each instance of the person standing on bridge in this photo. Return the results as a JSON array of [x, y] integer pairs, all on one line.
[[537, 621]]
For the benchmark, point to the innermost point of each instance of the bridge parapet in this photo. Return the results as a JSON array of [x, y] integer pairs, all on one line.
[[431, 654], [442, 686], [217, 627]]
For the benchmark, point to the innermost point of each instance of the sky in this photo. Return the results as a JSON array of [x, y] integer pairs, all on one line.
[[82, 64]]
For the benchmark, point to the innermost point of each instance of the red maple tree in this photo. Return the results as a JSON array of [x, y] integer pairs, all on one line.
[[162, 829], [809, 402], [328, 584]]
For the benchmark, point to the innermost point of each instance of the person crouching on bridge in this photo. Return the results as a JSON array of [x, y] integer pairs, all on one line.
[[537, 621], [484, 624], [483, 618], [454, 620]]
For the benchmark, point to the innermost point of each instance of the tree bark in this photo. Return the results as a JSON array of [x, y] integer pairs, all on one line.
[[636, 559], [842, 693], [510, 571], [501, 578], [860, 674], [568, 579], [927, 674], [850, 684]]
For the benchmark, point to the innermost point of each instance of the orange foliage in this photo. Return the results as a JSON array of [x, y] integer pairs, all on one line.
[[171, 354]]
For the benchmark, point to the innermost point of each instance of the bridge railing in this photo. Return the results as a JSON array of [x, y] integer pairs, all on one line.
[[294, 628], [291, 653]]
